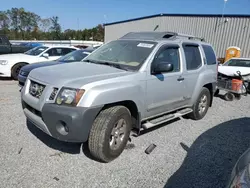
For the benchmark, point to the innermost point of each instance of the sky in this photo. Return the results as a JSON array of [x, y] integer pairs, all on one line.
[[87, 14]]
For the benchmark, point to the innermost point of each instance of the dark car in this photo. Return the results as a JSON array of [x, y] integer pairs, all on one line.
[[240, 177], [74, 56], [7, 48]]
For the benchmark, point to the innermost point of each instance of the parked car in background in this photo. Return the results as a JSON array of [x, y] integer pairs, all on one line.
[[7, 48], [237, 62], [240, 176], [10, 64], [74, 56], [31, 44], [133, 83]]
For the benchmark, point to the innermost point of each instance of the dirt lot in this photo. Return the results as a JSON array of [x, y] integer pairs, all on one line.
[[188, 153]]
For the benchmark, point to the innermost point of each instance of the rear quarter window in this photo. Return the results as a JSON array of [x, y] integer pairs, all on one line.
[[209, 54]]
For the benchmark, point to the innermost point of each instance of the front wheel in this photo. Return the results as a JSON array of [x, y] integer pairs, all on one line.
[[16, 69], [201, 106], [110, 133]]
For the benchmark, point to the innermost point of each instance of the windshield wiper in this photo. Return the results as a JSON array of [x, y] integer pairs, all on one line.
[[106, 63]]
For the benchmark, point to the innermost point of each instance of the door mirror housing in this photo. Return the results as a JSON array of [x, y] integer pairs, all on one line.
[[46, 55], [163, 67]]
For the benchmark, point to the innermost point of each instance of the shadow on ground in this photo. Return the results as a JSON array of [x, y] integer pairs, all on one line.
[[5, 79], [71, 148], [210, 159]]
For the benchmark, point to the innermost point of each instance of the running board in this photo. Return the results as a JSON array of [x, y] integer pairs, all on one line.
[[165, 118]]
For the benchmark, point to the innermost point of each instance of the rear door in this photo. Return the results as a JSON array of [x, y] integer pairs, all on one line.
[[194, 66]]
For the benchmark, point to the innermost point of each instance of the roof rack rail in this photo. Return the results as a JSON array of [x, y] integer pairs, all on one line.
[[154, 35], [190, 37]]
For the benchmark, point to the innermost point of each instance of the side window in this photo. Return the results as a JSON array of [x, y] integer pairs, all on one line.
[[55, 52], [193, 57], [210, 55], [169, 55], [67, 50]]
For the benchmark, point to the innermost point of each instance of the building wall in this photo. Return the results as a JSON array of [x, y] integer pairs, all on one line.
[[234, 32]]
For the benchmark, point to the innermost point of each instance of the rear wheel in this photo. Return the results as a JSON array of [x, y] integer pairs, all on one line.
[[229, 96], [201, 106], [110, 133], [16, 69]]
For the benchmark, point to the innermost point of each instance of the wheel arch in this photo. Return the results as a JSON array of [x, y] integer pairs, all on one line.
[[132, 107], [210, 87]]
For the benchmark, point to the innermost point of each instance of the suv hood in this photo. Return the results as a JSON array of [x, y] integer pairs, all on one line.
[[28, 68], [75, 74]]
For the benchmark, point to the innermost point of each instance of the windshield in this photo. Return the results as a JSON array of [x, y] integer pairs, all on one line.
[[76, 55], [36, 51], [238, 62], [127, 54]]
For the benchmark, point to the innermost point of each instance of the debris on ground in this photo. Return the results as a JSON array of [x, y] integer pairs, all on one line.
[[20, 150], [150, 148], [56, 154], [56, 178]]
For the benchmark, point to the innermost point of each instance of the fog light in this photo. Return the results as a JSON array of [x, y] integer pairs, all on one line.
[[62, 128]]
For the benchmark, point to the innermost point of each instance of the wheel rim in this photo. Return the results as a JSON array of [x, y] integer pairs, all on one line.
[[203, 104], [117, 134]]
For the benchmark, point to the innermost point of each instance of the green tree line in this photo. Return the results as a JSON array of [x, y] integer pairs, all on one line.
[[20, 24]]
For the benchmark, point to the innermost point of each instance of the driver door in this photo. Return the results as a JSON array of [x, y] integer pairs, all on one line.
[[166, 91]]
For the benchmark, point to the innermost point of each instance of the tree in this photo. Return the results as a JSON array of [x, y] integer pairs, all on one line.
[[18, 23], [4, 22], [55, 28]]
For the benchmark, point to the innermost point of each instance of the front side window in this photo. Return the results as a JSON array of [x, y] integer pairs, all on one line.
[[168, 55], [129, 54], [36, 51], [55, 52], [193, 57]]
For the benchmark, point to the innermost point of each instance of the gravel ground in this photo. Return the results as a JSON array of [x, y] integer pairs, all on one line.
[[188, 153]]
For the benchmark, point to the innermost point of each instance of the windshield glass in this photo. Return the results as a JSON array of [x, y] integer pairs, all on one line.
[[76, 55], [238, 62], [129, 54], [36, 51]]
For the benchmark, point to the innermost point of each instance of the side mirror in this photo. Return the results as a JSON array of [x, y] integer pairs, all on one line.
[[46, 55], [163, 67]]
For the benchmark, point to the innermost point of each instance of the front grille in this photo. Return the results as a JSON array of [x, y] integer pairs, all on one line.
[[36, 89], [33, 110], [53, 94]]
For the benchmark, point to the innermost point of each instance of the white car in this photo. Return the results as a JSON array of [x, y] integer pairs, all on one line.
[[10, 64]]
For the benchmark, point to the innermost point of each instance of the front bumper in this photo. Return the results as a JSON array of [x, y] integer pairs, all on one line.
[[5, 71], [69, 124], [21, 80]]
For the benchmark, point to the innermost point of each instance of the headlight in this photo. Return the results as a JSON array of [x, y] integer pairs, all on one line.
[[3, 62], [242, 179], [69, 96]]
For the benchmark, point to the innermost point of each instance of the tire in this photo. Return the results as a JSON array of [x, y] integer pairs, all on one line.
[[15, 70], [229, 96], [201, 106], [100, 141], [237, 96]]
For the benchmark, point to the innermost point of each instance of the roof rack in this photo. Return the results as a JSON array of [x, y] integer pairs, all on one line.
[[156, 35]]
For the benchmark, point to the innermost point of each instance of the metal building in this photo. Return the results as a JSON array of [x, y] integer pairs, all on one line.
[[220, 31]]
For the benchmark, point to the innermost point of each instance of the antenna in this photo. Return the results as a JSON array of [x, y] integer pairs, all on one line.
[[223, 11]]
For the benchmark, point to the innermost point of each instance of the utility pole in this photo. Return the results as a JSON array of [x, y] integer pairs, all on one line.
[[77, 23]]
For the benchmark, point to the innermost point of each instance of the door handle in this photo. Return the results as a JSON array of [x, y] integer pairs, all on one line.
[[180, 79]]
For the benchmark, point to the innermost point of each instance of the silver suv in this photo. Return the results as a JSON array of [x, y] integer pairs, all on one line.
[[136, 82]]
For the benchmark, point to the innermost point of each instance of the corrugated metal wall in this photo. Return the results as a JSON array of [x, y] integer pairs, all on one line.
[[234, 32]]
